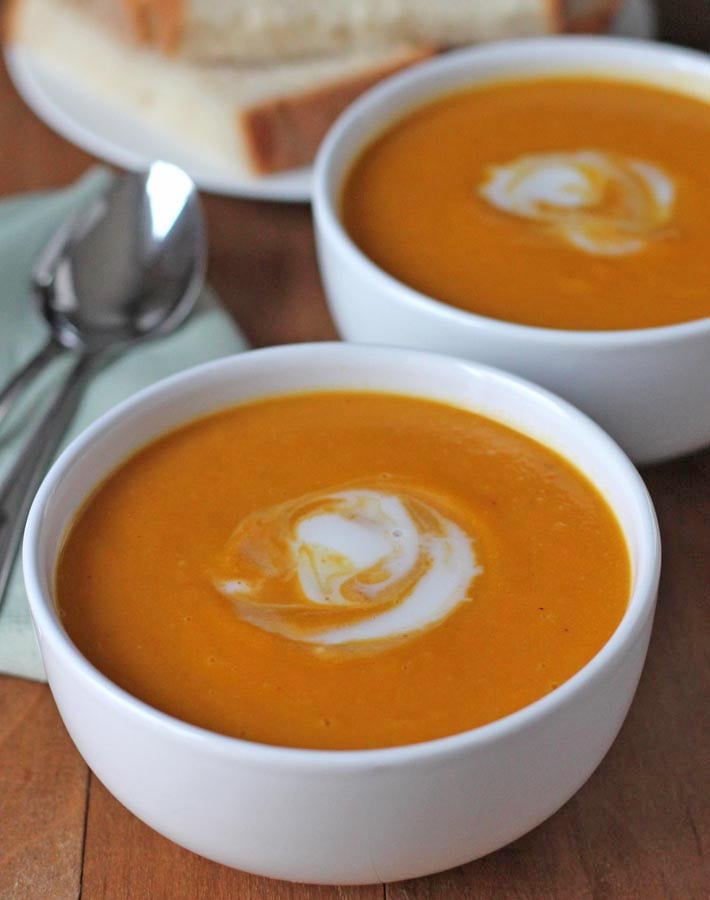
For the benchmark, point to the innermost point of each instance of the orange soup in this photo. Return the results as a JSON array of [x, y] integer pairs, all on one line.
[[342, 570], [571, 203]]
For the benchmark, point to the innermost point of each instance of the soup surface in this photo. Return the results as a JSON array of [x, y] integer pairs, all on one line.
[[342, 570], [570, 203]]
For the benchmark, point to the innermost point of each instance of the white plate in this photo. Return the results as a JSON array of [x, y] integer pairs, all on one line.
[[127, 140]]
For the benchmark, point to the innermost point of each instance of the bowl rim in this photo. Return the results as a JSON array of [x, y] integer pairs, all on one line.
[[349, 124], [640, 606]]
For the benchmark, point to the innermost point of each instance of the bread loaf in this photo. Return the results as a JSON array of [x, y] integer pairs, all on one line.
[[263, 30], [254, 119]]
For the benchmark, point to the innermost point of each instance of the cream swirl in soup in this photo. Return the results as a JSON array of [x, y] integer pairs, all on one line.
[[348, 566], [603, 203]]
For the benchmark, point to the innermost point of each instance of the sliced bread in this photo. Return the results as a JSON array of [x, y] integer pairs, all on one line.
[[262, 30], [255, 119]]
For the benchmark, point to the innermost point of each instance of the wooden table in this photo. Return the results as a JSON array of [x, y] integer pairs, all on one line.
[[638, 829]]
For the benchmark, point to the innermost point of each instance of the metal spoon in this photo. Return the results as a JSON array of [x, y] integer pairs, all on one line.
[[130, 266]]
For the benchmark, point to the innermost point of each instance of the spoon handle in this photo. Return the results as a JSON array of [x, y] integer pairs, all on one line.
[[18, 489], [11, 391]]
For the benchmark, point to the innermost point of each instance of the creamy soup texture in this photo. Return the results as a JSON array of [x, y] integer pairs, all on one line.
[[342, 570], [368, 565], [573, 203]]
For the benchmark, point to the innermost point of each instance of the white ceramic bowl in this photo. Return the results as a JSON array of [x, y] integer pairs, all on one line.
[[331, 816], [650, 388]]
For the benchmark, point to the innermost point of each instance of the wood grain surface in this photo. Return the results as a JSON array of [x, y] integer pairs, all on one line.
[[638, 829]]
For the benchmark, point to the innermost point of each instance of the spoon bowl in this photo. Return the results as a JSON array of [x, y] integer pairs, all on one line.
[[129, 265]]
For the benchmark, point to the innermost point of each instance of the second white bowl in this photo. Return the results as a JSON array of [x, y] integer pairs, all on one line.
[[650, 388]]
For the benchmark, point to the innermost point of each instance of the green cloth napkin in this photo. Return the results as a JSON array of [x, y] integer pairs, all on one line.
[[25, 225]]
